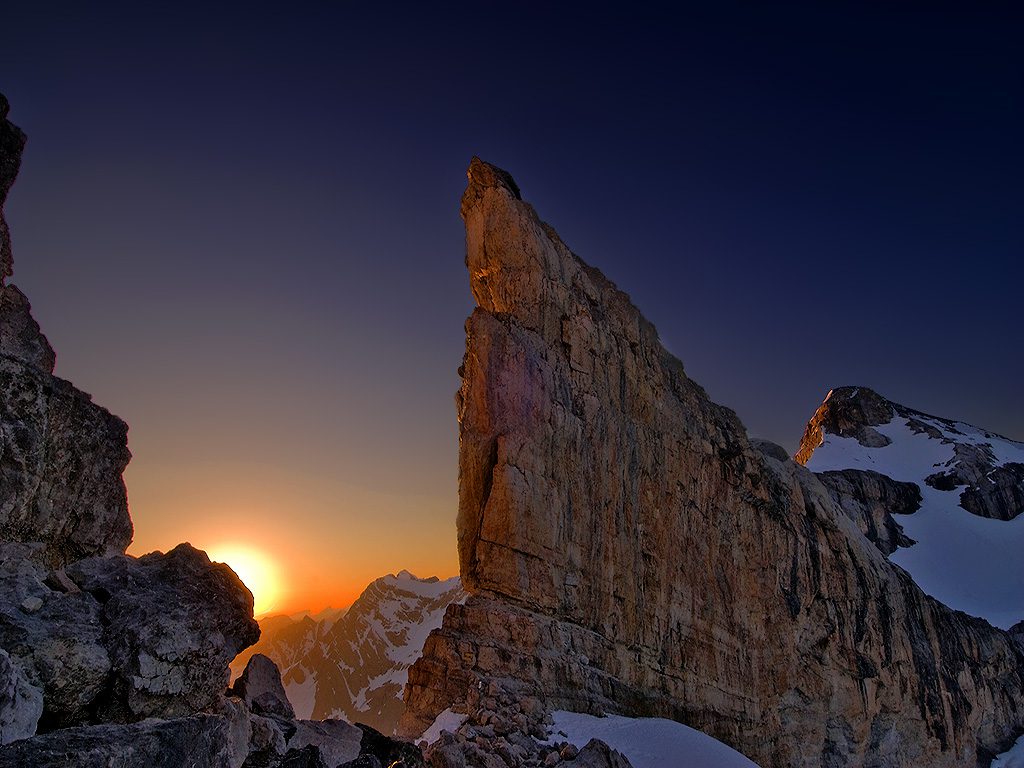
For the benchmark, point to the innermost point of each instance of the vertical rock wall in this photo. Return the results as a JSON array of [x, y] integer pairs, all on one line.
[[627, 549]]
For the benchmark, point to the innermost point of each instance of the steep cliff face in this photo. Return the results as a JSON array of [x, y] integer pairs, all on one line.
[[626, 548], [61, 455]]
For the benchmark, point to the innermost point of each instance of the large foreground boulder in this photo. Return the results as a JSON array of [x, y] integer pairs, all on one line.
[[627, 549], [121, 639]]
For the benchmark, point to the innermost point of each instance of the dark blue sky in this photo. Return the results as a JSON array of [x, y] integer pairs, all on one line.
[[239, 226]]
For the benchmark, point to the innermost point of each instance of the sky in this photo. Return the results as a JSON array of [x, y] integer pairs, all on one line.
[[238, 226]]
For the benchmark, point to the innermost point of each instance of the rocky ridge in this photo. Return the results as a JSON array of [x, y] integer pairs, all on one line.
[[627, 549], [107, 659], [354, 667], [956, 490]]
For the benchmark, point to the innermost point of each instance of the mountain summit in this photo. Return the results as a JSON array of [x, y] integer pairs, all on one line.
[[961, 531], [627, 548]]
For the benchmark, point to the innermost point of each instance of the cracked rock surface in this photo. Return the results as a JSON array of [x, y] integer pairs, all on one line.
[[627, 549]]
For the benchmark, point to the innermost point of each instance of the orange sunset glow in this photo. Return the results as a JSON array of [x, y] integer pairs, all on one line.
[[256, 569]]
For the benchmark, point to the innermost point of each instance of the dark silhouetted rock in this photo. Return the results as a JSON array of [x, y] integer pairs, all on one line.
[[260, 687], [20, 336], [21, 703], [171, 622], [597, 754], [870, 499], [12, 142], [393, 753], [306, 757], [200, 741], [338, 741]]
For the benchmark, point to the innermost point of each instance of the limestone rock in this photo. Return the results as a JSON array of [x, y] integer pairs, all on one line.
[[847, 412], [20, 336], [58, 646], [870, 499], [199, 741], [337, 741], [597, 754], [21, 703], [627, 549], [171, 622], [260, 687], [61, 459]]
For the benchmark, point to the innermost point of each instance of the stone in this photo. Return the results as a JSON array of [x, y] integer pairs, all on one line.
[[61, 461], [394, 753], [847, 412], [991, 488], [21, 703], [61, 456], [364, 761], [306, 757], [627, 549], [260, 687], [266, 737], [171, 623], [20, 336], [871, 499], [12, 142], [199, 741], [597, 754], [59, 646], [339, 742]]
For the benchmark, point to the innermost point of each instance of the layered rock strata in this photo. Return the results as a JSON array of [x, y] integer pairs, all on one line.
[[627, 549]]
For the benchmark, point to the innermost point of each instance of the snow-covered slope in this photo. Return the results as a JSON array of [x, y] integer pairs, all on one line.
[[968, 561], [355, 666], [1012, 758], [648, 742]]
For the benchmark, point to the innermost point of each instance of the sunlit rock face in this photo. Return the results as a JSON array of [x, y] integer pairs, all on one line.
[[627, 549]]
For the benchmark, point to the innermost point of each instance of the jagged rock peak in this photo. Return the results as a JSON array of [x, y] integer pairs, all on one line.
[[847, 412], [12, 142], [626, 548], [482, 176]]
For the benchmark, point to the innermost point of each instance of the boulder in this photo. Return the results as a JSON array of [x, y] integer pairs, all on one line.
[[199, 741], [338, 741], [171, 623], [260, 687], [21, 703]]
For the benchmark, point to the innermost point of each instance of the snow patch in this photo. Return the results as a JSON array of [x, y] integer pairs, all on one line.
[[970, 563], [446, 721], [1013, 758], [648, 742], [302, 696]]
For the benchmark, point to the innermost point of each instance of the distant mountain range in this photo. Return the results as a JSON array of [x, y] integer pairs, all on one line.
[[353, 664]]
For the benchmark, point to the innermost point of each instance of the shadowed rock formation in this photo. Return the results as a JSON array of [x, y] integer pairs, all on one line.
[[627, 549], [61, 456]]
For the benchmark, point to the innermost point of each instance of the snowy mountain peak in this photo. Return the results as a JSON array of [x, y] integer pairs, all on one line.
[[961, 542], [354, 666]]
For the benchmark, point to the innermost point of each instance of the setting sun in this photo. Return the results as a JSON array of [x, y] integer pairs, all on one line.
[[256, 570]]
